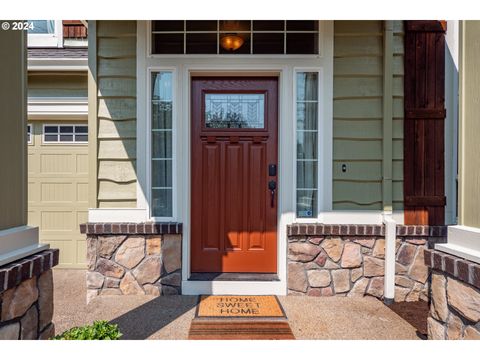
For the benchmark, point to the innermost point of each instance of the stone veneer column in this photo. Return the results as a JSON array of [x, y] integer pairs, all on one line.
[[455, 307], [26, 297], [349, 260], [133, 259]]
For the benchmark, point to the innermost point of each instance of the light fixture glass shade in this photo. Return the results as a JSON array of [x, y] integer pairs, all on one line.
[[231, 42]]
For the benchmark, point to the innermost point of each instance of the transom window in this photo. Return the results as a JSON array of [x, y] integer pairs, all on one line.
[[65, 134], [235, 37]]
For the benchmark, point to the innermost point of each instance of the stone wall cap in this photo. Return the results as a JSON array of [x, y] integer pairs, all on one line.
[[456, 267], [12, 274], [319, 229], [123, 228]]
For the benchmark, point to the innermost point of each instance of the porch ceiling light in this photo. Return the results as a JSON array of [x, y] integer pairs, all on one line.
[[231, 42]]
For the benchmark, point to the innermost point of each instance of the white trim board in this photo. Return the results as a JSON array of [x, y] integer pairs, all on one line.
[[117, 215], [74, 108], [57, 64], [19, 242], [364, 217], [451, 120], [463, 241]]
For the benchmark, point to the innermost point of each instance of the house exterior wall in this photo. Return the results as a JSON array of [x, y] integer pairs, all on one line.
[[357, 120], [358, 95], [114, 118], [469, 128], [13, 154]]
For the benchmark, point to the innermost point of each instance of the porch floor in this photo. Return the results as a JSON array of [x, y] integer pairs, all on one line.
[[148, 317]]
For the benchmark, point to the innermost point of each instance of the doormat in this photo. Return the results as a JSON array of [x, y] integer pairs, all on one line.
[[234, 317], [233, 306]]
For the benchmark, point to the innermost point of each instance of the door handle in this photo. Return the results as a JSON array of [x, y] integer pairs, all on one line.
[[272, 186]]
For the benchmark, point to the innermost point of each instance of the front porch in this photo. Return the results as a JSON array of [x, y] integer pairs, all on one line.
[[169, 317]]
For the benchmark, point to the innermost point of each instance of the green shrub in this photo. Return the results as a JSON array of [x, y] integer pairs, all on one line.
[[100, 330]]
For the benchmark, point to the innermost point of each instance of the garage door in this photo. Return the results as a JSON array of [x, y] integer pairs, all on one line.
[[58, 187]]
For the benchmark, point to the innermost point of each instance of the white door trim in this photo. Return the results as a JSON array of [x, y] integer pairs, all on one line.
[[237, 287]]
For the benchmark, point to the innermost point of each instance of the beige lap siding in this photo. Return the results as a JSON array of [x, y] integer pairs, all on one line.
[[358, 115], [116, 113]]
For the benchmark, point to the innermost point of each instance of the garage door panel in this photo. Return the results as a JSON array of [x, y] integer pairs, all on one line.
[[57, 192], [59, 164], [82, 217], [68, 253], [82, 164], [33, 217], [33, 192], [58, 196], [82, 193], [32, 162], [56, 221]]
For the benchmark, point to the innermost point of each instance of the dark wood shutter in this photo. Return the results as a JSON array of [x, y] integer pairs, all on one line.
[[424, 178]]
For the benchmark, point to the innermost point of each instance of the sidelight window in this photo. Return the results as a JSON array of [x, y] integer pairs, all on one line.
[[162, 137], [307, 143]]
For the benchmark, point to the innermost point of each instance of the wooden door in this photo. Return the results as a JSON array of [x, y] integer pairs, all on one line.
[[234, 171]]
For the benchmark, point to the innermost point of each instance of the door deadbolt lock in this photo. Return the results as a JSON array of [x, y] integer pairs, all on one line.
[[272, 170]]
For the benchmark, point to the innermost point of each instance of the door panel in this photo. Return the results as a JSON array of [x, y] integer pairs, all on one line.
[[234, 139]]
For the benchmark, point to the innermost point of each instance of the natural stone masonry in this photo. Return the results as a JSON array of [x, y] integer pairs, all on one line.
[[455, 294], [143, 260], [349, 260], [26, 297]]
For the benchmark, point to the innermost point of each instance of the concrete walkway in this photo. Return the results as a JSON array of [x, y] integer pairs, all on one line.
[[148, 317]]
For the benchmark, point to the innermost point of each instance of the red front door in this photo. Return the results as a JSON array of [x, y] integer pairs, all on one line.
[[234, 174]]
